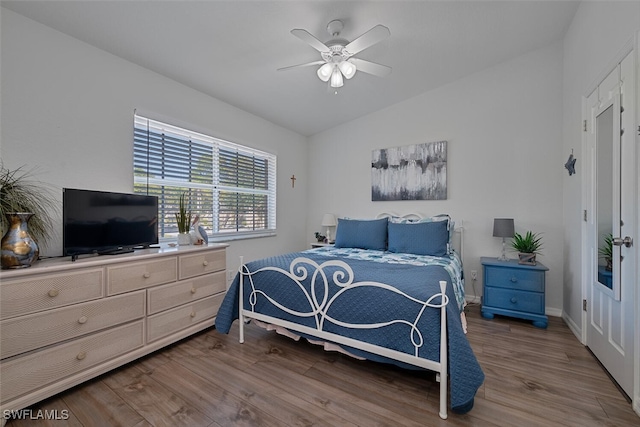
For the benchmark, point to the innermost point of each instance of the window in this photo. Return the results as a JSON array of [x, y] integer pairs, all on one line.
[[231, 187]]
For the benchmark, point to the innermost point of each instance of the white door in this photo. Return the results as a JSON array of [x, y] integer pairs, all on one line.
[[611, 215]]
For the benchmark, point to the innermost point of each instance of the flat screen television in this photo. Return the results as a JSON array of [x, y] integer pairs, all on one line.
[[106, 222]]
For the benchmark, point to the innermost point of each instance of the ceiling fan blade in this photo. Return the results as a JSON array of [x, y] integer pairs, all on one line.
[[308, 64], [371, 67], [371, 37], [305, 36]]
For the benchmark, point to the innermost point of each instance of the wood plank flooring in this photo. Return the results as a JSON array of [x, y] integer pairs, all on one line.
[[534, 377]]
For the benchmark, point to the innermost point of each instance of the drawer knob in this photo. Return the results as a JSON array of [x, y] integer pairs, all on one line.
[[81, 355], [514, 280], [205, 263], [193, 290], [82, 320], [514, 300], [53, 293], [193, 314], [146, 275]]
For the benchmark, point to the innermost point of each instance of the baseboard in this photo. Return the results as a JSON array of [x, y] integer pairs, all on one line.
[[577, 330], [555, 312], [472, 299]]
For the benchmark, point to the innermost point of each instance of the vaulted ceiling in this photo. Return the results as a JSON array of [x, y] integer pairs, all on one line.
[[231, 50]]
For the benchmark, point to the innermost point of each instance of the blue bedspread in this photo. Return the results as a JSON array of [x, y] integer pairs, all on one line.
[[368, 305]]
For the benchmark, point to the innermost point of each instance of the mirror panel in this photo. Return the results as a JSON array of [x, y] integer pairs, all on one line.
[[604, 194]]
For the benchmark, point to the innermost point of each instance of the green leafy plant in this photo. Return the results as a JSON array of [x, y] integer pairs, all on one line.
[[606, 250], [20, 192], [530, 243], [183, 216]]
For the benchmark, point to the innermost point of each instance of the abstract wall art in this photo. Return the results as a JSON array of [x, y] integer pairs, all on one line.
[[412, 172]]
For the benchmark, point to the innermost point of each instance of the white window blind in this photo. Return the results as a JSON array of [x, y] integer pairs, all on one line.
[[231, 187]]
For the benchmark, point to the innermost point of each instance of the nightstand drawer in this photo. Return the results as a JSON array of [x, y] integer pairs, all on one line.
[[510, 299], [514, 278]]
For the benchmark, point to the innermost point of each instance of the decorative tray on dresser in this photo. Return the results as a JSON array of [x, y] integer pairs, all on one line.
[[64, 322], [513, 289]]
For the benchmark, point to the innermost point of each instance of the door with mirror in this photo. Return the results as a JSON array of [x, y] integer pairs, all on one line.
[[610, 216]]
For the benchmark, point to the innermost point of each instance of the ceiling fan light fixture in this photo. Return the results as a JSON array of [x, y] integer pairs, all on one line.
[[324, 72], [347, 68], [336, 78]]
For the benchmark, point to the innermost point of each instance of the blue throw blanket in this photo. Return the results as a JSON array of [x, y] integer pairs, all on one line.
[[404, 324]]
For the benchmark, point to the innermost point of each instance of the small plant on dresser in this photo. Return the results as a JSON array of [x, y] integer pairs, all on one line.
[[527, 246]]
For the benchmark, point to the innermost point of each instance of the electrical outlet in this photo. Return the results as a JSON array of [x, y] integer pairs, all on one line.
[[474, 275]]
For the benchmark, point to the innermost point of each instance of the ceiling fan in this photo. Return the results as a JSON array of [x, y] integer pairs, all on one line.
[[338, 54]]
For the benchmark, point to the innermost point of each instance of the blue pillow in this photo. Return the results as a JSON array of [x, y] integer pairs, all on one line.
[[419, 238], [363, 234]]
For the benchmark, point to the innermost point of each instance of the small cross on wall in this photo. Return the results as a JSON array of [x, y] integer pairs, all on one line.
[[293, 181]]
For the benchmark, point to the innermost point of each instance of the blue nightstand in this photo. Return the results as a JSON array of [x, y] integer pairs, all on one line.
[[514, 290]]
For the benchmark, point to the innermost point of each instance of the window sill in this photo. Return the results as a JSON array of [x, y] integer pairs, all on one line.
[[224, 238]]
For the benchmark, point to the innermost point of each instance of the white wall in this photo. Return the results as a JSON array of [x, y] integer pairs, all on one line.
[[505, 158], [67, 110], [598, 32]]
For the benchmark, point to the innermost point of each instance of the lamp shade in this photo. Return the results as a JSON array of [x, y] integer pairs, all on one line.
[[329, 220], [324, 72], [503, 227], [347, 68], [336, 78]]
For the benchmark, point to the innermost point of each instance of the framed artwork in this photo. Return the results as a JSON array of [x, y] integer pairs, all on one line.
[[412, 172]]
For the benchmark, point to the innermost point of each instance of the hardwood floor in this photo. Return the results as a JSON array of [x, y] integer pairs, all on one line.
[[534, 377]]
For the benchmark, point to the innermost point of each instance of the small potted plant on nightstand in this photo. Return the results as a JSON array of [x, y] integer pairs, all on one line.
[[527, 246]]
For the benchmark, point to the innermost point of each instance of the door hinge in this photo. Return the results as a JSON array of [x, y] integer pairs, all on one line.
[[584, 305], [584, 126], [584, 215]]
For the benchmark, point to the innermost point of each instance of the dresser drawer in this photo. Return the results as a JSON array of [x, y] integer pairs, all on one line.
[[140, 275], [520, 279], [168, 322], [32, 371], [19, 335], [46, 291], [509, 299], [172, 295], [202, 263]]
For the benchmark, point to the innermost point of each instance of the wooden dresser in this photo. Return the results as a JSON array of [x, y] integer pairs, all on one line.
[[63, 322]]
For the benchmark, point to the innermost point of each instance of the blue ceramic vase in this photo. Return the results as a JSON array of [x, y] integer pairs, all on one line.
[[19, 250]]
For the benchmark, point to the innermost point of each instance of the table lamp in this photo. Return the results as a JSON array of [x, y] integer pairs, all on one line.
[[329, 220], [503, 227]]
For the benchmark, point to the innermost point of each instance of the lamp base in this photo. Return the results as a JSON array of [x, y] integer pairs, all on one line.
[[503, 257]]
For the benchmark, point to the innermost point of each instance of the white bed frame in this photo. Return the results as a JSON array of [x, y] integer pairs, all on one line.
[[301, 268]]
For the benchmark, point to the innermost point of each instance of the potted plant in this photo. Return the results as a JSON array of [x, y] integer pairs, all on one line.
[[606, 251], [183, 219], [527, 246], [27, 209]]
